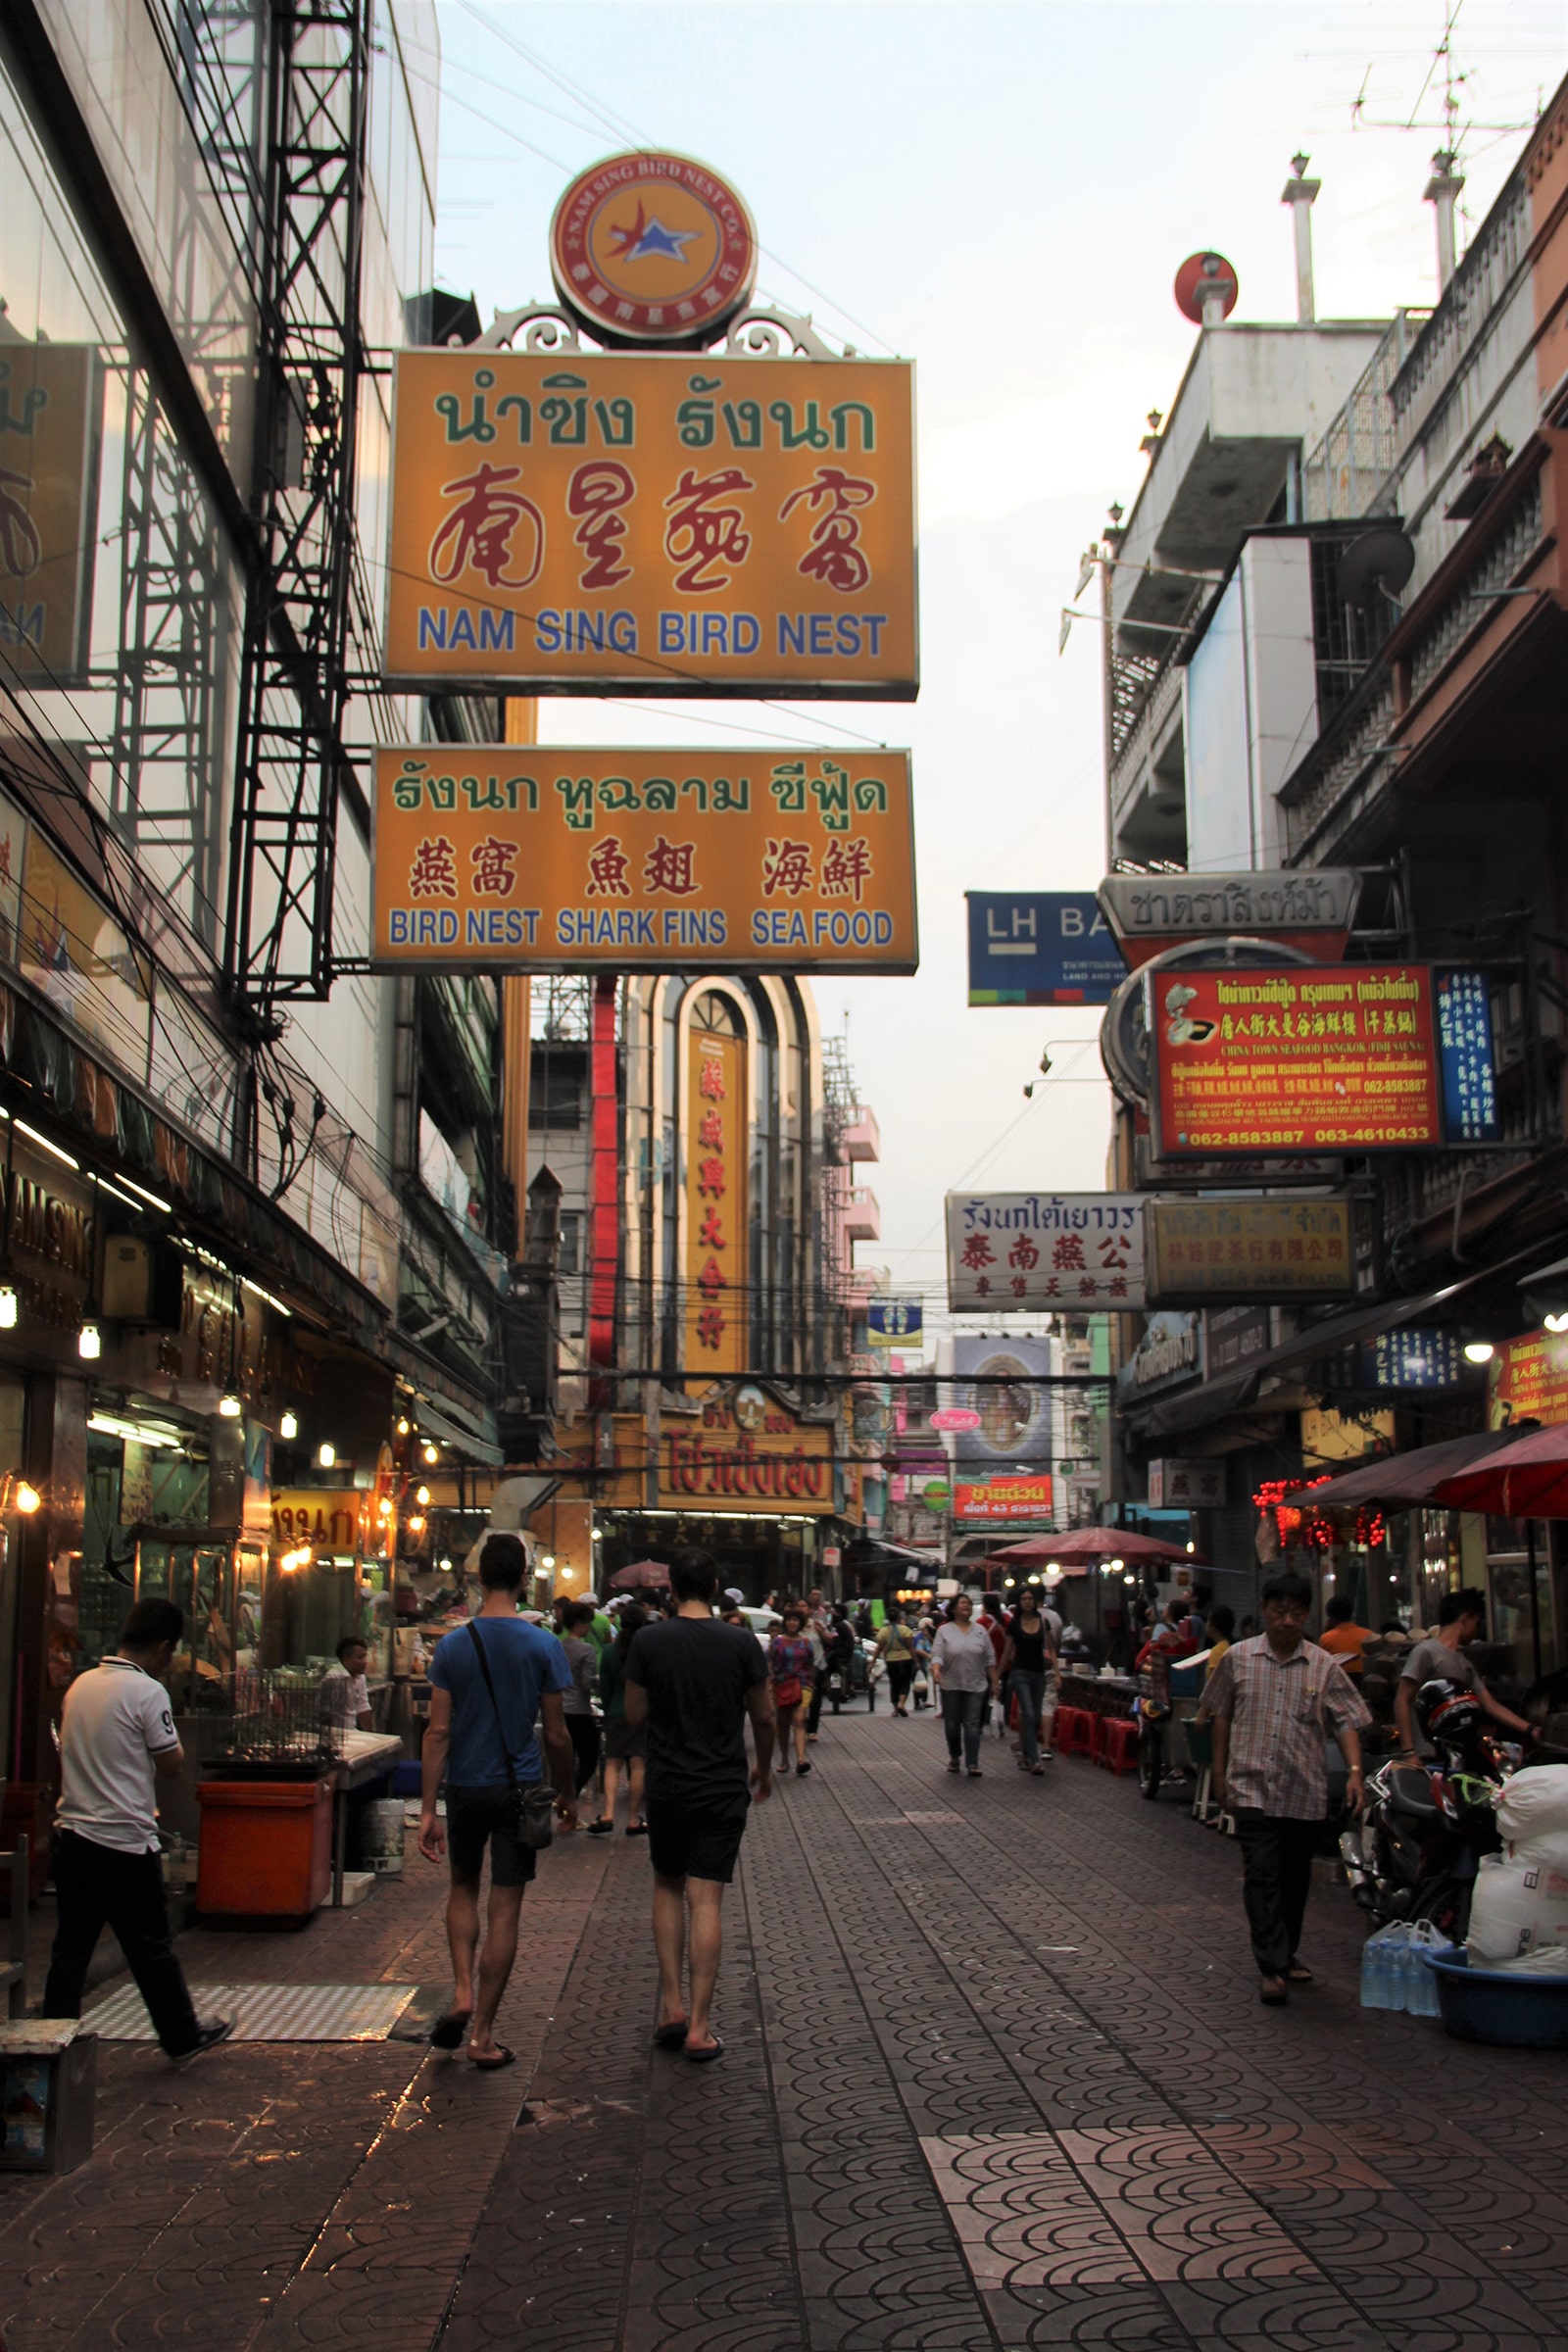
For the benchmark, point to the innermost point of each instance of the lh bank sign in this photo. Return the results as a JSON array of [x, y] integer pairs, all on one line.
[[1050, 946]]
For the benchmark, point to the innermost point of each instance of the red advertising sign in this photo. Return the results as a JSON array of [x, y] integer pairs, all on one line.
[[1530, 1379], [1324, 1058], [1004, 1499]]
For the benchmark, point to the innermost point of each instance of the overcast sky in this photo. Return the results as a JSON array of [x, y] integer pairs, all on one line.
[[1002, 193]]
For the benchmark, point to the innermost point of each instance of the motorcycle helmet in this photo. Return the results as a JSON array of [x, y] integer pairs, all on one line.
[[1449, 1713]]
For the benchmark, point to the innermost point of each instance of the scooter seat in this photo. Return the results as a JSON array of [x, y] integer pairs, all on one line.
[[1410, 1794]]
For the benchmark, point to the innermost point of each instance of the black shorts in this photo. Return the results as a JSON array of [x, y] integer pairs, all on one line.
[[476, 1817], [685, 1841]]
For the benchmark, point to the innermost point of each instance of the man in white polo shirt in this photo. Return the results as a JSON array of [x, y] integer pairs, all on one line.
[[116, 1739]]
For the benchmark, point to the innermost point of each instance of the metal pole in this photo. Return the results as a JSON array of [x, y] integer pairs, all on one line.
[[1534, 1595]]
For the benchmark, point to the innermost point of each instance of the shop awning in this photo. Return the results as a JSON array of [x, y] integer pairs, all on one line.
[[439, 1423], [1237, 1391], [1397, 1481]]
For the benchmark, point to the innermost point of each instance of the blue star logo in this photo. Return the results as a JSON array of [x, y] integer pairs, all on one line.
[[647, 237]]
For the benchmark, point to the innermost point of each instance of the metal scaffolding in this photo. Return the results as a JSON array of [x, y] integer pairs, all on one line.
[[293, 764]]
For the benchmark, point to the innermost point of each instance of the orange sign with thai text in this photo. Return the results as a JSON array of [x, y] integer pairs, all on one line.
[[652, 524], [506, 856], [717, 1246]]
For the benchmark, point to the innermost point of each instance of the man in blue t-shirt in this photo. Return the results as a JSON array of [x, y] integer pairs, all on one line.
[[463, 1743]]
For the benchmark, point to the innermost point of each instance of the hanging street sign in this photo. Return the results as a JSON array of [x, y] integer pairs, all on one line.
[[953, 1416], [1328, 1057], [51, 432], [1004, 1499], [653, 248], [1024, 1252], [652, 524], [1044, 946], [523, 858], [1201, 1251], [895, 1322], [1312, 911]]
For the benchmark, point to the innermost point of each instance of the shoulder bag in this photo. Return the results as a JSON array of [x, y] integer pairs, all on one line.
[[532, 1802]]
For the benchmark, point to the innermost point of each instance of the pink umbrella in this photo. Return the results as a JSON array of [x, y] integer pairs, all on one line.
[[643, 1576], [1083, 1543]]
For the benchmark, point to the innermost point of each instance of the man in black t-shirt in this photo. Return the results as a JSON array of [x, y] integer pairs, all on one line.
[[693, 1681]]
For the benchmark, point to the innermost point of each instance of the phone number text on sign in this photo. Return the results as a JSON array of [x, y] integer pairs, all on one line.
[[642, 861]]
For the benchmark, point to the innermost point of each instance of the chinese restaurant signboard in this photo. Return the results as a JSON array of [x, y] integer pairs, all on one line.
[[743, 1451], [1185, 1485], [717, 1247], [1003, 1499], [642, 861], [1304, 1058], [1024, 1252], [652, 524], [1204, 1249], [1530, 1379]]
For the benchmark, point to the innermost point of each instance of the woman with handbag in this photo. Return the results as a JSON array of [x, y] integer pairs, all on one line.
[[625, 1746], [789, 1669], [963, 1666]]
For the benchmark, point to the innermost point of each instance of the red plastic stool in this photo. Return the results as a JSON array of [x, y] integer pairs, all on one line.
[[1075, 1731], [1118, 1744]]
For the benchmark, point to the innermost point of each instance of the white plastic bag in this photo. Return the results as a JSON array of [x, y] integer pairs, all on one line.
[[1535, 1804], [1547, 1960], [1518, 1905], [1549, 1851]]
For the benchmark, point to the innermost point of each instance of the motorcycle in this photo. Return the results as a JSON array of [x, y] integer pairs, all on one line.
[[1414, 1853]]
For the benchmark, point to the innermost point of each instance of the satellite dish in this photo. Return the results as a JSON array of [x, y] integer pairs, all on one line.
[[1206, 274], [1381, 558]]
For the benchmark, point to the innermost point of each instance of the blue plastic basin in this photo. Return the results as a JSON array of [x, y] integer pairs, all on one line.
[[1492, 2004]]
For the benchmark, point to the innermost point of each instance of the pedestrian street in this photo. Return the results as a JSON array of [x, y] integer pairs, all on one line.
[[996, 2075]]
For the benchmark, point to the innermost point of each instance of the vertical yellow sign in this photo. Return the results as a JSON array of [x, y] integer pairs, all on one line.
[[716, 1235], [50, 396]]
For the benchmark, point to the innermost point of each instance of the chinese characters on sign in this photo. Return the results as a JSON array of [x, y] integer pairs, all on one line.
[[652, 524], [1336, 1057], [716, 1234], [1464, 1052], [1025, 1252], [643, 860], [1412, 1358], [1201, 1250], [1178, 1486], [1528, 1379]]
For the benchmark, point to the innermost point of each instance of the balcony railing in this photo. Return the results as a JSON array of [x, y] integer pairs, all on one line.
[[862, 1218]]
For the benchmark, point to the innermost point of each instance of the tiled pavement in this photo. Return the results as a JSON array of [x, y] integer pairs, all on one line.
[[996, 2079]]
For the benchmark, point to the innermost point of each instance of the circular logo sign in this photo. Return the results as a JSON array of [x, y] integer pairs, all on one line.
[[651, 248], [1207, 269], [955, 1416], [936, 1494]]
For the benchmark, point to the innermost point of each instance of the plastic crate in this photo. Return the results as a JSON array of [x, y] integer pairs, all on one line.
[[1490, 2004], [408, 1778]]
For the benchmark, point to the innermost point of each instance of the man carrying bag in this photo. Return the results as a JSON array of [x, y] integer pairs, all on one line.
[[491, 1685]]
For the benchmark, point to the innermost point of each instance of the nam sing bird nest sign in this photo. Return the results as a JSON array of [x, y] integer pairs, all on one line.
[[653, 523]]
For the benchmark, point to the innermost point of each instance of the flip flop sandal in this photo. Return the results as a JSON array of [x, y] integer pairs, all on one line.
[[447, 2032], [672, 2036], [1272, 2001], [716, 2050], [636, 1829], [599, 1828], [1296, 1974], [493, 2066]]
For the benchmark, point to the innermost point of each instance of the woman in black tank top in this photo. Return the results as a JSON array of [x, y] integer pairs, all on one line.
[[1026, 1665]]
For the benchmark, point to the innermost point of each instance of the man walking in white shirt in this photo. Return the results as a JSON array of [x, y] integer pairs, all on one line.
[[116, 1739]]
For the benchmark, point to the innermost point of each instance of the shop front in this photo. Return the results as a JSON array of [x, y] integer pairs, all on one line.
[[737, 1469]]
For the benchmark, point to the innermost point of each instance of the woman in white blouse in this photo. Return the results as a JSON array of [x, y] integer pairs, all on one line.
[[964, 1667]]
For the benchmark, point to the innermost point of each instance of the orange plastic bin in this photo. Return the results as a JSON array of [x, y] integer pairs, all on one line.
[[265, 1848]]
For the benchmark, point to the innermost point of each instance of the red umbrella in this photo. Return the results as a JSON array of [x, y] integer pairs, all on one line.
[[1082, 1544], [1527, 1479], [643, 1576]]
